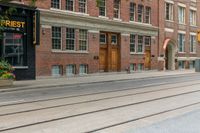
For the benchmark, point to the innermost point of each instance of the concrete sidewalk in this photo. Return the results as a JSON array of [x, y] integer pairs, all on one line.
[[91, 78]]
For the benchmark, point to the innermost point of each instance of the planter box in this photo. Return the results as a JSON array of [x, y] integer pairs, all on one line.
[[6, 83]]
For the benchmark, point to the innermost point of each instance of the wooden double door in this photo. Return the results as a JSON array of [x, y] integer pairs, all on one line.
[[109, 55]]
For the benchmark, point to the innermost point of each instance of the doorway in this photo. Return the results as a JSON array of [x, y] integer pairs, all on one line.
[[170, 57], [109, 54]]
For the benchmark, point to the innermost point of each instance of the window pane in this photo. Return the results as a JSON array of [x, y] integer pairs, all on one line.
[[70, 5], [55, 4], [102, 38], [82, 40], [70, 39], [82, 6], [13, 49], [102, 8], [56, 37]]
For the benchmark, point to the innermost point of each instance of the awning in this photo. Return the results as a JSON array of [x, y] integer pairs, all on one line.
[[165, 44]]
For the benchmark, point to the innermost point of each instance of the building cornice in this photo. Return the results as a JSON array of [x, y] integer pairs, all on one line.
[[64, 18]]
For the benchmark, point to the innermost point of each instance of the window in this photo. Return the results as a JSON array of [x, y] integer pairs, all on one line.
[[192, 17], [83, 69], [56, 70], [192, 44], [13, 49], [114, 39], [55, 4], [140, 44], [102, 8], [102, 38], [192, 64], [169, 11], [82, 6], [70, 5], [148, 15], [140, 13], [181, 42], [132, 67], [70, 39], [132, 11], [181, 64], [56, 37], [82, 40], [140, 67], [181, 15], [147, 41], [116, 8], [132, 43], [70, 70]]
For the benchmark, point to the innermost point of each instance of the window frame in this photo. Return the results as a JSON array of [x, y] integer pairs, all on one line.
[[73, 7], [182, 42], [104, 7], [140, 14], [71, 39], [85, 7], [170, 13], [132, 11], [181, 17], [60, 38], [116, 9], [83, 39], [59, 4]]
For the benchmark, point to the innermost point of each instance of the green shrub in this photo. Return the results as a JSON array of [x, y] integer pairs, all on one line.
[[6, 70]]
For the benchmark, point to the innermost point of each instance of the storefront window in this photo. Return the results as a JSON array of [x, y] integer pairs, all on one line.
[[13, 50]]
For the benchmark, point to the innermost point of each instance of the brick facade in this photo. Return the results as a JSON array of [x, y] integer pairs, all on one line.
[[159, 30]]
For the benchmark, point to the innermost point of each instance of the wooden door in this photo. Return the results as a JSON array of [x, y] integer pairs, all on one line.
[[147, 59], [109, 52], [103, 59]]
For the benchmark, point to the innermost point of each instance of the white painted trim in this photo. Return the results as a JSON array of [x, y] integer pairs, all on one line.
[[69, 51], [182, 5], [46, 26], [193, 33], [125, 34], [20, 67], [161, 59], [103, 17], [169, 30], [182, 58], [169, 1], [193, 8], [93, 31], [182, 32]]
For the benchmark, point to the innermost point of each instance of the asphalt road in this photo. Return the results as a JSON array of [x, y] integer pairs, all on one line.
[[138, 106]]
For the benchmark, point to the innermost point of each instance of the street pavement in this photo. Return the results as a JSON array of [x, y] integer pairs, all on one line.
[[187, 123], [121, 105], [90, 78]]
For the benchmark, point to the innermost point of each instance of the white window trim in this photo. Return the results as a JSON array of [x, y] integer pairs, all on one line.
[[61, 47], [169, 1], [169, 30], [57, 8], [182, 5]]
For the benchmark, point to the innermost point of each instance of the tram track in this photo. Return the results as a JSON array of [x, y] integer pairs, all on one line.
[[91, 101], [107, 109], [143, 117], [95, 93], [92, 83]]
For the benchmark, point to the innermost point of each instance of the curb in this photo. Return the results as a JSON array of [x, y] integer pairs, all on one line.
[[83, 83]]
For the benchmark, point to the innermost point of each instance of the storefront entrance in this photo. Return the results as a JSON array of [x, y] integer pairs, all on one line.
[[109, 52], [20, 34]]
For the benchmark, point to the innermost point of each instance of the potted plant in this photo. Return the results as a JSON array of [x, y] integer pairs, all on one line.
[[6, 74]]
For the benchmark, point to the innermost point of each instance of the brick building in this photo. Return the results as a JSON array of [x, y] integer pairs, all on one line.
[[77, 37], [178, 27]]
